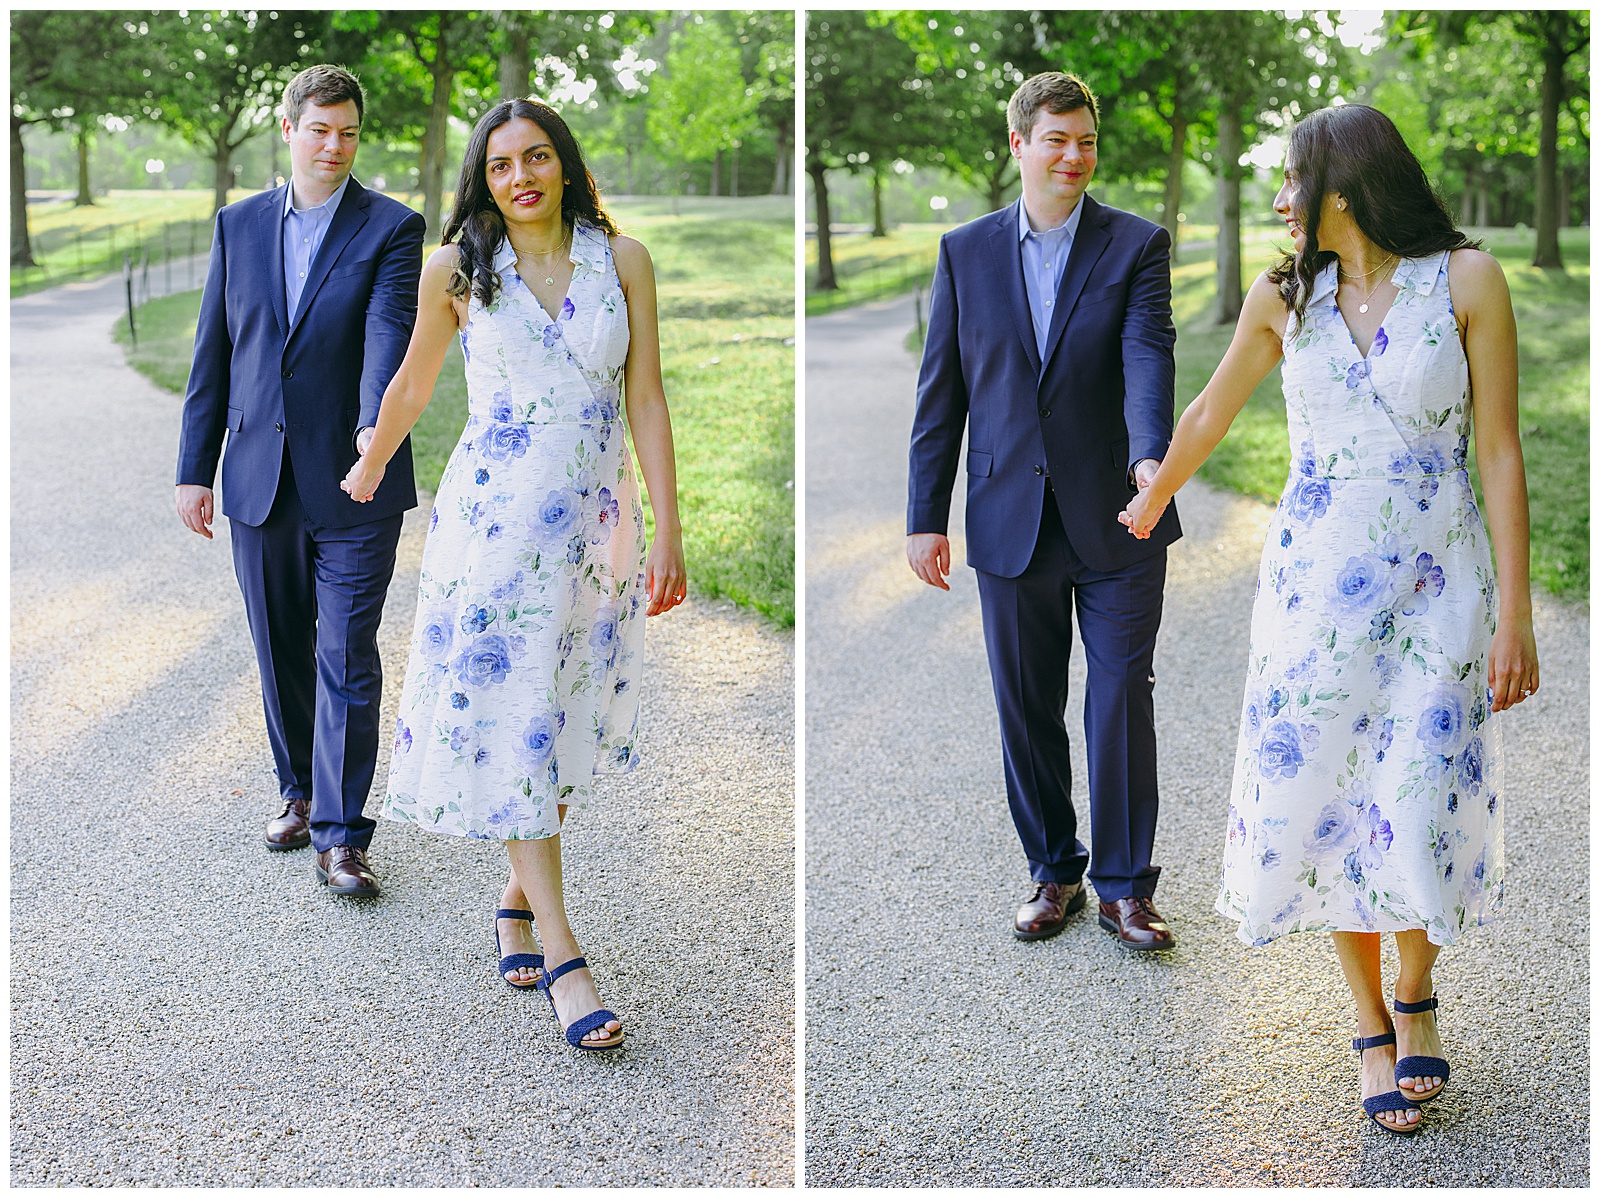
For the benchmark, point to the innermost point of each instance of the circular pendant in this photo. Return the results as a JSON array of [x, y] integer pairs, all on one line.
[[1363, 307], [550, 281]]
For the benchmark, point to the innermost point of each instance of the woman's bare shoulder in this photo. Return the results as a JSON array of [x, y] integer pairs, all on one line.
[[632, 259]]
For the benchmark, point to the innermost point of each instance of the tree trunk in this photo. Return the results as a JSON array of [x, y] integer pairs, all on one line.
[[716, 173], [1564, 201], [1482, 216], [222, 174], [819, 183], [733, 170], [1174, 190], [1230, 285], [515, 63], [1546, 246], [780, 167], [433, 140], [21, 244], [879, 229], [85, 196], [997, 190]]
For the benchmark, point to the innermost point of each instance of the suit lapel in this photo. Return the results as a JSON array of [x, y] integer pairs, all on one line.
[[1008, 265], [347, 222], [1087, 246], [271, 226]]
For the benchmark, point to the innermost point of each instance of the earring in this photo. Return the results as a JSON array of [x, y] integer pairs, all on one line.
[[1341, 205]]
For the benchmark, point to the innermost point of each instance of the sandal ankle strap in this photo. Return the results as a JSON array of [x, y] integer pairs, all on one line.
[[1417, 1008], [1362, 1044], [508, 913]]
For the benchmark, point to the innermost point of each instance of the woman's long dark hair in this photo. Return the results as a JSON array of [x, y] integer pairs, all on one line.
[[476, 219], [1356, 151]]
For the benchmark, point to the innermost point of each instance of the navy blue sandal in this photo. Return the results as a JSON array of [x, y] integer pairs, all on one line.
[[1394, 1100], [516, 960], [1419, 1067], [582, 1026]]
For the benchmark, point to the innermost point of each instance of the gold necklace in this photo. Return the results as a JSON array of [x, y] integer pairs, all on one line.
[[1367, 299], [549, 279]]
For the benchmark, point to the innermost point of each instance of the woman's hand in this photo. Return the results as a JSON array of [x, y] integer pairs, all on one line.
[[665, 578], [1513, 664], [1141, 515], [362, 480]]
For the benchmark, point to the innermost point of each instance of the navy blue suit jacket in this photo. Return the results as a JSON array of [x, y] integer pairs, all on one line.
[[313, 382], [1100, 400]]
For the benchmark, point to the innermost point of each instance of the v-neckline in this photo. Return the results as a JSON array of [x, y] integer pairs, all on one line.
[[1351, 333], [562, 306]]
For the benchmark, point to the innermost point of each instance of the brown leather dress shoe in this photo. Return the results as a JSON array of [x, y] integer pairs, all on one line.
[[292, 829], [1136, 924], [1046, 912], [344, 870]]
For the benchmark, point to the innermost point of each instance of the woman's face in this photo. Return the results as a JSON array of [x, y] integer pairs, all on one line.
[[524, 173], [1287, 203]]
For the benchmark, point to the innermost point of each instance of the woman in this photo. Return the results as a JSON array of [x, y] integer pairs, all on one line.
[[522, 681], [1365, 792]]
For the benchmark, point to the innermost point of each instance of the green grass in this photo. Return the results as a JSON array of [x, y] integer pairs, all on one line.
[[869, 268], [1552, 310], [726, 293]]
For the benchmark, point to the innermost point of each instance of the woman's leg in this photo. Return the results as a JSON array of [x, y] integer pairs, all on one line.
[[1418, 1034], [517, 935], [1360, 954], [537, 868]]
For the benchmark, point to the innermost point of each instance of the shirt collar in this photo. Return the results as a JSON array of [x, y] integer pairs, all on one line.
[[583, 250], [331, 203], [1071, 225]]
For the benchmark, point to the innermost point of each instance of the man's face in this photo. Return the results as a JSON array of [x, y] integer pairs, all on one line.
[[1057, 159], [323, 147]]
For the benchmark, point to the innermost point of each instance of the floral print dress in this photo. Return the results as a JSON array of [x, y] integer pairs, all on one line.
[[522, 682], [1365, 790]]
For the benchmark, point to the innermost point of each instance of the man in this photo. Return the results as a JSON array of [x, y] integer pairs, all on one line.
[[307, 312], [1050, 340]]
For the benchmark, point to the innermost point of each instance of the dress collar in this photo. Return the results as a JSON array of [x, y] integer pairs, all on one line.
[[1417, 274], [585, 250]]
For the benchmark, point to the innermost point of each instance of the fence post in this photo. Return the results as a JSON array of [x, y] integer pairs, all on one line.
[[144, 274], [917, 297], [191, 255], [127, 286]]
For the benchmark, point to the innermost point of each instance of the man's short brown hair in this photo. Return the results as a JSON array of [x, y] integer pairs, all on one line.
[[1054, 92], [323, 85]]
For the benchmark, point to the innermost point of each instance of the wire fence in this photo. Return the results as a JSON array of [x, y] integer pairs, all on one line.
[[868, 278], [166, 248]]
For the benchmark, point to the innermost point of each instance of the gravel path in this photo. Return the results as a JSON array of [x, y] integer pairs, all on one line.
[[186, 1009], [941, 1051]]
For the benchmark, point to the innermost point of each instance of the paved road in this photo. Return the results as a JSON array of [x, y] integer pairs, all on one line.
[[186, 1009], [940, 1051]]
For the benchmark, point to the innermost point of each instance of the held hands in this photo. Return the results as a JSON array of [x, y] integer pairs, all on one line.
[[1513, 664], [362, 480], [929, 555], [665, 578], [1141, 516]]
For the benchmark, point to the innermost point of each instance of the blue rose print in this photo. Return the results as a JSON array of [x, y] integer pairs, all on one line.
[[484, 662], [538, 740], [1442, 726], [1282, 751], [481, 477], [504, 442], [557, 516]]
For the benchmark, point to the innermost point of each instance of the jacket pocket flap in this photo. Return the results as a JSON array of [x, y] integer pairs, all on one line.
[[979, 462], [235, 419]]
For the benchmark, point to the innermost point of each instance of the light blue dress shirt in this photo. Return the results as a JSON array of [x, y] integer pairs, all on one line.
[[1044, 260], [303, 231]]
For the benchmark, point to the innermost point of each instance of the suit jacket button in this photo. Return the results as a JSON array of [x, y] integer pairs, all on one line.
[[279, 427], [1038, 469], [1044, 413], [288, 374]]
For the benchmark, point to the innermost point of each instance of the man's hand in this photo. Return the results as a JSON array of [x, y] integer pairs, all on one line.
[[1144, 472], [929, 555], [364, 439], [194, 508]]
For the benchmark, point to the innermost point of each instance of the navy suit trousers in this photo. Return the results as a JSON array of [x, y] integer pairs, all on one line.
[[314, 597], [1027, 629]]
